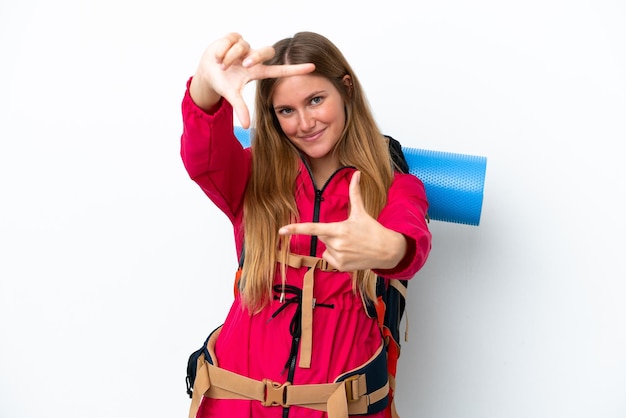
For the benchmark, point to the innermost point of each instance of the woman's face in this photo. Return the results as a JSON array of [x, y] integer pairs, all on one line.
[[311, 113]]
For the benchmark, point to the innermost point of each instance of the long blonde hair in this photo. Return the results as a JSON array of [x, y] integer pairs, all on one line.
[[270, 201]]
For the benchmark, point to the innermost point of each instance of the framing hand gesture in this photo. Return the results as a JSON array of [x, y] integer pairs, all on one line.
[[227, 65], [358, 243]]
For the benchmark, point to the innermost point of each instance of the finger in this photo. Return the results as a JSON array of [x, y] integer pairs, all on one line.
[[236, 53], [223, 45], [279, 71], [241, 110], [356, 200], [307, 228], [258, 56]]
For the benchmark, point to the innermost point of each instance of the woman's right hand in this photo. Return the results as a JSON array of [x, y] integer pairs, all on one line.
[[227, 65]]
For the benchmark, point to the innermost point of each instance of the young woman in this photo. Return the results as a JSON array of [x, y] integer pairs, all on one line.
[[317, 210]]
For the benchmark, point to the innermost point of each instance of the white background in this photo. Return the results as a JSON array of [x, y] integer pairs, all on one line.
[[114, 266]]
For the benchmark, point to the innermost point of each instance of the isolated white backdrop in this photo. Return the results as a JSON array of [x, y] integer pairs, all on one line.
[[114, 266]]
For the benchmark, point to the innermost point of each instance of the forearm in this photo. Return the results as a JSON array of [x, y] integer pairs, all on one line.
[[202, 94], [392, 249], [406, 215], [212, 156]]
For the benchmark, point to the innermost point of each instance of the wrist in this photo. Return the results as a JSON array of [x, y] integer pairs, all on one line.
[[396, 248], [203, 95]]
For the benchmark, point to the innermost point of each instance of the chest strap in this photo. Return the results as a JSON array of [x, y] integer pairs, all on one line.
[[361, 391], [297, 261]]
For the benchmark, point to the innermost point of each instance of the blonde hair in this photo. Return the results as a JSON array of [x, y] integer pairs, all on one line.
[[270, 201]]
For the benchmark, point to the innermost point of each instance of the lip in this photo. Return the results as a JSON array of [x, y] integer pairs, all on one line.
[[313, 137]]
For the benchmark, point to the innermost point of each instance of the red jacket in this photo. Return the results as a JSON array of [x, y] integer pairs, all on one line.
[[344, 337]]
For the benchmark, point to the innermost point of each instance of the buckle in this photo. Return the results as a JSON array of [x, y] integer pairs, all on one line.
[[275, 393], [325, 266], [352, 388]]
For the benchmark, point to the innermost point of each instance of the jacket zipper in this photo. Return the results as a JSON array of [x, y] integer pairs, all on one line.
[[319, 198]]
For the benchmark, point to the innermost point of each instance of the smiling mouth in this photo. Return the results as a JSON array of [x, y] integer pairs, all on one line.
[[313, 136]]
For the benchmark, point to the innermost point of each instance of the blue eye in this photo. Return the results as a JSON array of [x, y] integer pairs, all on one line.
[[285, 111], [316, 100]]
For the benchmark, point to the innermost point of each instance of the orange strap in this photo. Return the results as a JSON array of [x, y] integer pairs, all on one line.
[[306, 321], [338, 399], [297, 261]]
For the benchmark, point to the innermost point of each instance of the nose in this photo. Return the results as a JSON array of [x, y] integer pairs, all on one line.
[[306, 121]]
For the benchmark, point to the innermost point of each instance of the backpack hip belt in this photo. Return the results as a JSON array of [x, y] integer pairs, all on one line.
[[362, 390]]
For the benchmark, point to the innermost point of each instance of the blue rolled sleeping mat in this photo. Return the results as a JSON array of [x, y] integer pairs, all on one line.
[[454, 182]]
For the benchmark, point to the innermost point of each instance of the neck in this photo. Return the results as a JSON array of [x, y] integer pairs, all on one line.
[[322, 169]]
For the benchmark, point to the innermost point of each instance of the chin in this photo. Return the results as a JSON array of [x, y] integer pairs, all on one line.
[[316, 155]]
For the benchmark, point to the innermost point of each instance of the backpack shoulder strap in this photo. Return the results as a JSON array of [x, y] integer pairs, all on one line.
[[397, 156], [391, 295]]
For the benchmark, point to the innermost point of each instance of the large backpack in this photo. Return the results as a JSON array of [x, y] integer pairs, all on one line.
[[389, 311], [391, 305]]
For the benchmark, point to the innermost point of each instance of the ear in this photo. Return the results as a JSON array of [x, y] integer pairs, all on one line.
[[347, 82]]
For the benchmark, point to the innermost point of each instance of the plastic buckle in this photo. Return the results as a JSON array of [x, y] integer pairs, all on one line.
[[352, 388], [275, 393]]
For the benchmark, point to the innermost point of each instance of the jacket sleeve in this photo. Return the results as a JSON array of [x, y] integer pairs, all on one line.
[[405, 213], [212, 155]]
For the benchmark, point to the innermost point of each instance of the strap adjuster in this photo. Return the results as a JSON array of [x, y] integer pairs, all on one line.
[[352, 388], [275, 393]]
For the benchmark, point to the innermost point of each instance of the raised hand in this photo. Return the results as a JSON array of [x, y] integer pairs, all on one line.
[[358, 243], [225, 68]]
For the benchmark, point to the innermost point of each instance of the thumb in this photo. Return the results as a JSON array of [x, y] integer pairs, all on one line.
[[356, 200], [241, 110]]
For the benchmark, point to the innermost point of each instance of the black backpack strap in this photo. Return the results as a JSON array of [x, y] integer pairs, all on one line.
[[397, 156]]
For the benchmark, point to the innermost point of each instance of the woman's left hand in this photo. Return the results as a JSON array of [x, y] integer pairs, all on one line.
[[358, 243]]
